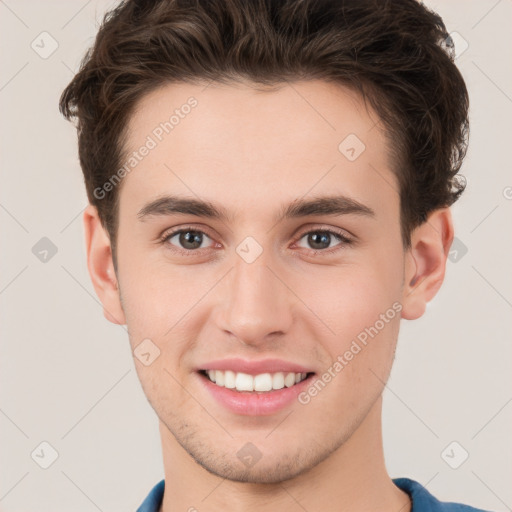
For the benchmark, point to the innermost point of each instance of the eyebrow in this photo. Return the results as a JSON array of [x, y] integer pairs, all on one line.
[[323, 205]]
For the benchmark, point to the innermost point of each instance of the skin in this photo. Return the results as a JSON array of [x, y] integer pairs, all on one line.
[[251, 152]]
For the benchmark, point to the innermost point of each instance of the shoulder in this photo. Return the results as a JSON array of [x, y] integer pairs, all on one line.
[[424, 501], [154, 498]]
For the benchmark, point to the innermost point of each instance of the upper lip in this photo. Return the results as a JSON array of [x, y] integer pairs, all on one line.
[[254, 367]]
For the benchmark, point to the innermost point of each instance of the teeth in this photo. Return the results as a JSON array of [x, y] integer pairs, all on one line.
[[289, 380], [278, 380], [244, 382], [229, 379], [261, 382], [219, 378]]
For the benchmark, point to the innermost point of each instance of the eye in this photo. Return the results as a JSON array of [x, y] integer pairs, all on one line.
[[320, 239], [187, 240]]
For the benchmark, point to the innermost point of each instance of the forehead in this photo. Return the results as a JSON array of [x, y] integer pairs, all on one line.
[[249, 146]]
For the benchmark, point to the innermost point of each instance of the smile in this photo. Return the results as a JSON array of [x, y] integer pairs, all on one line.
[[263, 382]]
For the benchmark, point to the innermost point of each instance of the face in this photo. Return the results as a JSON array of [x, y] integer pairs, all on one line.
[[319, 287]]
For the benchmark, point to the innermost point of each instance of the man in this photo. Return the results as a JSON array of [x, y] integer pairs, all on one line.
[[269, 187]]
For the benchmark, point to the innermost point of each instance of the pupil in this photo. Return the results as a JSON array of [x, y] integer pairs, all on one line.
[[194, 239], [319, 238]]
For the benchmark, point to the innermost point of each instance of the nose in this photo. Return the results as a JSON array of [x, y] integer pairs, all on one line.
[[259, 307]]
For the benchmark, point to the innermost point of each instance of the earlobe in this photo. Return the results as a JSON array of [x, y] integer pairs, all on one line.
[[101, 267], [425, 262]]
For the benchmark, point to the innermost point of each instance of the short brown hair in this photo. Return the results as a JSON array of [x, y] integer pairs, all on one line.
[[396, 53]]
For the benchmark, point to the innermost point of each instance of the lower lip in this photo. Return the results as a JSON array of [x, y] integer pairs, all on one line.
[[255, 403]]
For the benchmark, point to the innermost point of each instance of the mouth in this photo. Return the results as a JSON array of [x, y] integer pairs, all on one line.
[[263, 383], [254, 387]]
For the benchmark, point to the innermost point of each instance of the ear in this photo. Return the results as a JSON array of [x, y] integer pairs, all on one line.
[[425, 262], [101, 266]]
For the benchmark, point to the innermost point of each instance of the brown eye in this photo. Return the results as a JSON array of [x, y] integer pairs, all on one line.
[[321, 240], [186, 239]]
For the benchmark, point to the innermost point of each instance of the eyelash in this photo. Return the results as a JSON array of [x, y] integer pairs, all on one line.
[[193, 252]]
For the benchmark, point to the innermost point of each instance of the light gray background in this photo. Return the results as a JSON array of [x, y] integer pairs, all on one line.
[[67, 375]]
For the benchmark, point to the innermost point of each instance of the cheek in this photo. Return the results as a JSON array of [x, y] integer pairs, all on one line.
[[156, 295], [365, 320], [354, 297], [361, 307], [165, 306]]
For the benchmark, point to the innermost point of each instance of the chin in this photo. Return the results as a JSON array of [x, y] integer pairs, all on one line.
[[279, 468], [268, 474]]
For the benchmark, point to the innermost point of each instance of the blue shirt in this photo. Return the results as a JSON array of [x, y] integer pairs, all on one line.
[[422, 500]]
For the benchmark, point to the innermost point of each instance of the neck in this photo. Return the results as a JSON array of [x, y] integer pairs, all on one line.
[[353, 478]]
